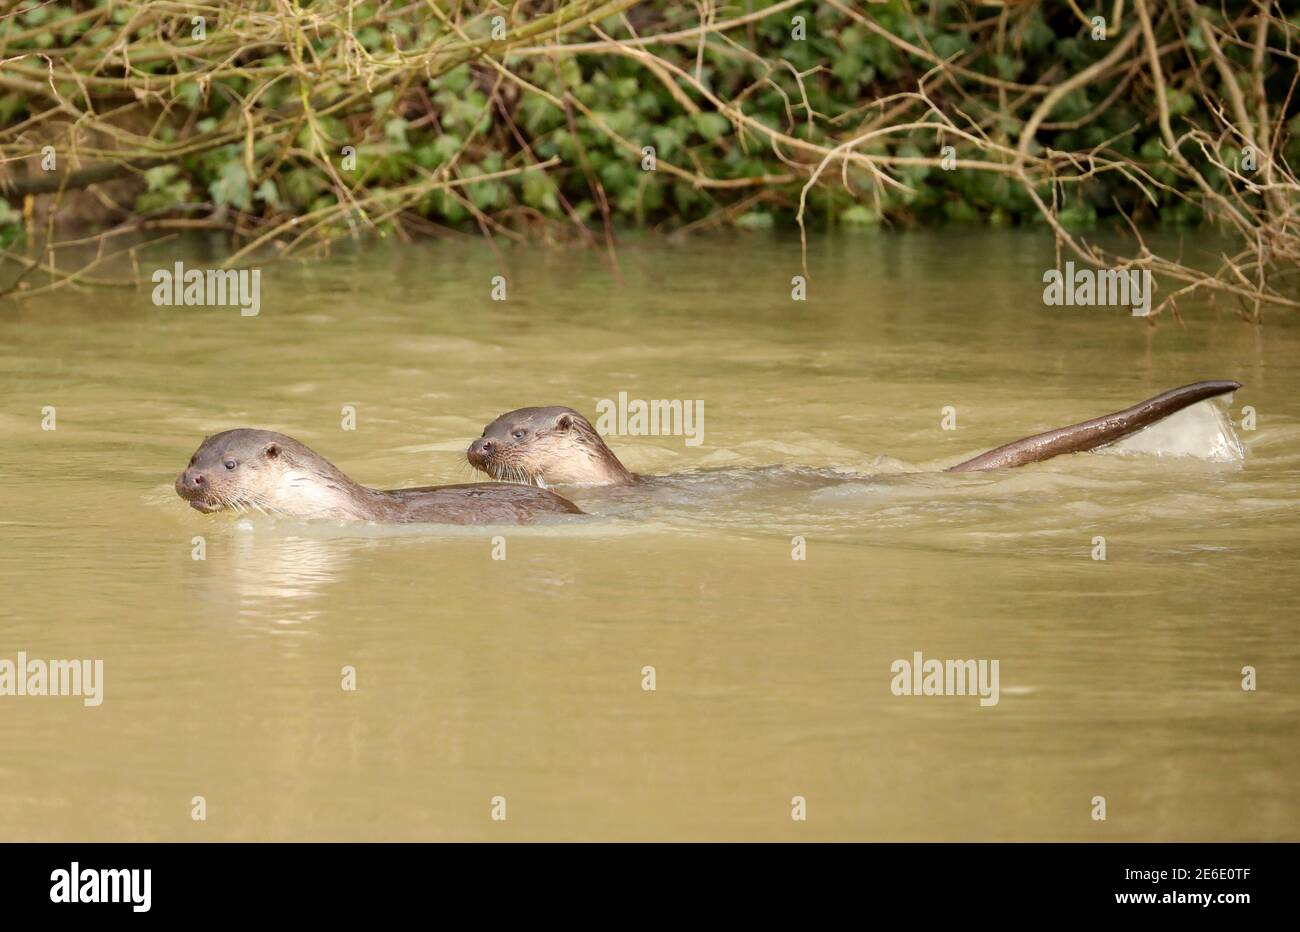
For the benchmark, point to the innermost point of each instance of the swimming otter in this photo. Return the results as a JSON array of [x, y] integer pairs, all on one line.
[[261, 470], [558, 446], [544, 447]]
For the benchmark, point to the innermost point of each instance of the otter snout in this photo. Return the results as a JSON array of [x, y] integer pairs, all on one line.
[[193, 486], [479, 451], [191, 483]]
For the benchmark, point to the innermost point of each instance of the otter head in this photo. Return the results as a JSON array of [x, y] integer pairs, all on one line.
[[237, 469], [546, 447]]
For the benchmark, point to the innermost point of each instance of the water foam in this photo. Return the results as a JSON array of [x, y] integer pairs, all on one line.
[[1203, 431]]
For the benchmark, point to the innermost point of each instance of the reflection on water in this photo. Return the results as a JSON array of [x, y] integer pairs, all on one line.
[[523, 676]]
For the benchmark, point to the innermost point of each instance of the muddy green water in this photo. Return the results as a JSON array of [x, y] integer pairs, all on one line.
[[522, 678]]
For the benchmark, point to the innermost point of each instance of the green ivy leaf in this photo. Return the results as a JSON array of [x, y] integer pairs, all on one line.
[[7, 214], [710, 125], [156, 179], [755, 220], [231, 186], [267, 193], [395, 133]]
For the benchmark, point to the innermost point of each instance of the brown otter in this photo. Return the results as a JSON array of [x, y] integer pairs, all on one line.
[[558, 446], [545, 447], [260, 470]]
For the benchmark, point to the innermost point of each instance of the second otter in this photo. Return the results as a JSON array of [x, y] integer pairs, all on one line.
[[260, 470], [558, 446]]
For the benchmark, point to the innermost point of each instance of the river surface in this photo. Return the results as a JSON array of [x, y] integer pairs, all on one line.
[[524, 678]]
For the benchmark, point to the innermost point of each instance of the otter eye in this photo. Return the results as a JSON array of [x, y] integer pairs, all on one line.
[[231, 464], [564, 423], [519, 434]]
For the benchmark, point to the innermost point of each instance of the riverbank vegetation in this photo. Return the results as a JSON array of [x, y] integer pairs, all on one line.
[[287, 124]]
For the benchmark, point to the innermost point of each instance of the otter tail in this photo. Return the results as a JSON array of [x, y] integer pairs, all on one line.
[[1089, 435]]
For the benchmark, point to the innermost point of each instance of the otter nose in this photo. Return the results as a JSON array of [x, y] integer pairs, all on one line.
[[480, 450], [193, 479]]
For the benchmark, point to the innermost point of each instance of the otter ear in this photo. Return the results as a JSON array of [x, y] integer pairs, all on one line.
[[564, 422], [272, 450]]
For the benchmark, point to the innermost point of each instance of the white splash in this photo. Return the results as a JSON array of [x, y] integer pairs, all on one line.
[[1202, 430]]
